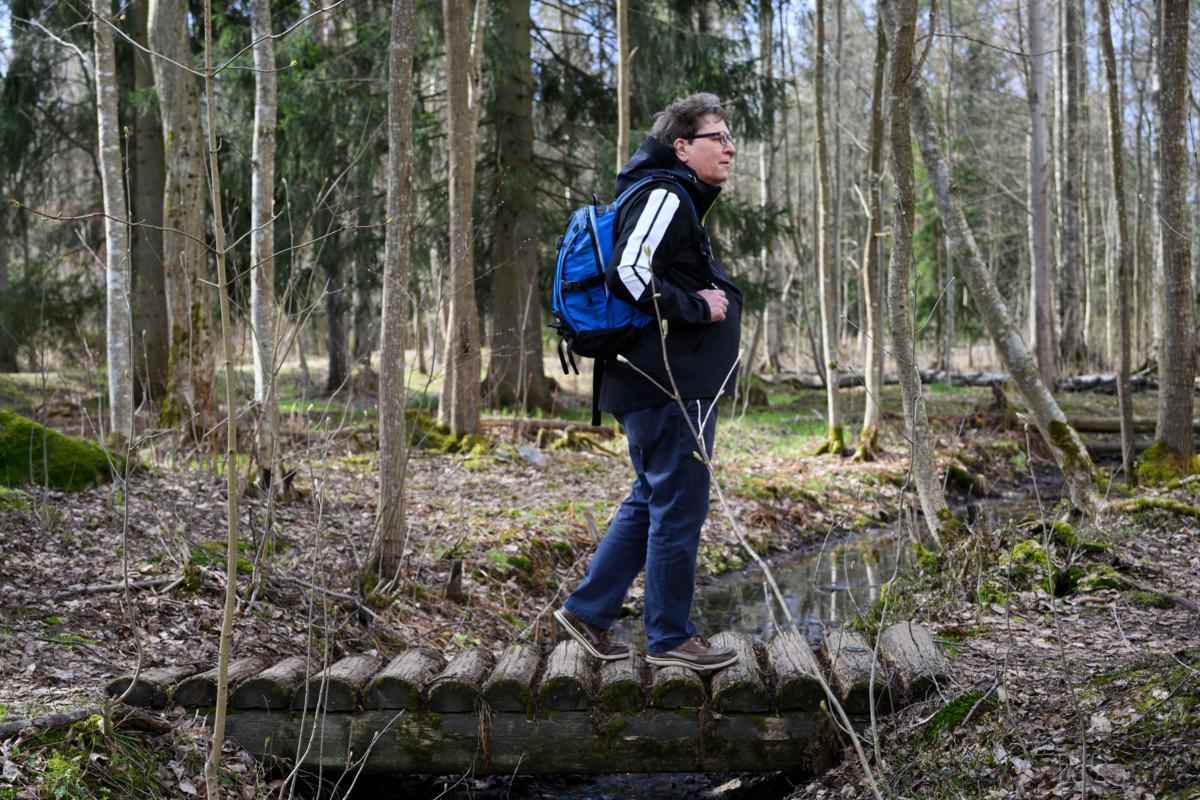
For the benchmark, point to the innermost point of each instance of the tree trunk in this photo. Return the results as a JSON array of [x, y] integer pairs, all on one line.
[[151, 333], [1069, 451], [116, 233], [387, 543], [1177, 360], [770, 194], [263, 309], [1039, 183], [827, 272], [336, 304], [1071, 273], [872, 371], [185, 256], [624, 77], [1116, 145], [460, 402], [929, 489], [515, 375]]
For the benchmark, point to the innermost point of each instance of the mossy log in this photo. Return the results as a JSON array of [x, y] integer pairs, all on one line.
[[338, 687], [569, 681], [740, 687], [916, 662], [797, 685], [151, 687], [456, 688], [849, 657], [510, 686], [622, 686], [33, 453], [200, 691], [272, 688], [675, 688], [404, 682]]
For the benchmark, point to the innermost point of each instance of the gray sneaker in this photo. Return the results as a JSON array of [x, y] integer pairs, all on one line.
[[696, 653], [594, 640]]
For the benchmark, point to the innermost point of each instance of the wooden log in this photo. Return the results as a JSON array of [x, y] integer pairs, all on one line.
[[200, 691], [456, 688], [150, 688], [675, 688], [569, 681], [532, 426], [622, 686], [916, 661], [510, 686], [795, 670], [849, 657], [405, 681], [739, 688], [321, 740], [273, 687], [338, 687]]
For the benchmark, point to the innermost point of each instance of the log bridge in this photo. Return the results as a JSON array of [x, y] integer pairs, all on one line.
[[564, 712]]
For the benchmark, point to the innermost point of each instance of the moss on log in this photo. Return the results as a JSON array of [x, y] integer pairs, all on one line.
[[33, 453]]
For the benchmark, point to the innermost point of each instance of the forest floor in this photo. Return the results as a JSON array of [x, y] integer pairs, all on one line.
[[1074, 651]]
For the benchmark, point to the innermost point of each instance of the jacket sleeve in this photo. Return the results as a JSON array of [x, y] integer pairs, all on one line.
[[652, 229]]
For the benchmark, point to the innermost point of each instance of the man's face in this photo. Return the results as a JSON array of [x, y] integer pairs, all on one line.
[[705, 154]]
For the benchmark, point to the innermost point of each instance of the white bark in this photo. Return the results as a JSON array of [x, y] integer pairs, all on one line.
[[1039, 182], [624, 76], [262, 243], [116, 233]]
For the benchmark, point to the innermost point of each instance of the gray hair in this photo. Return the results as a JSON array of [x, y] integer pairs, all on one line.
[[682, 119]]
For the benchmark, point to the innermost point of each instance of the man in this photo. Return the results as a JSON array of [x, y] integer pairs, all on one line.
[[662, 264]]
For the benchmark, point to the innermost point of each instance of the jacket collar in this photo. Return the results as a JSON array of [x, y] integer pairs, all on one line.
[[654, 157]]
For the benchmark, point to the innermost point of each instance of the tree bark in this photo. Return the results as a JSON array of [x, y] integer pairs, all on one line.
[[337, 341], [1177, 362], [151, 332], [387, 543], [1069, 451], [871, 283], [1116, 145], [1071, 275], [1039, 183], [774, 270], [903, 14], [827, 277], [460, 402], [185, 257], [116, 233], [263, 309], [624, 78]]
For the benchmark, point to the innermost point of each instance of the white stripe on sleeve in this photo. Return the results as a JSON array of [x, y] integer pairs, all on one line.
[[634, 267]]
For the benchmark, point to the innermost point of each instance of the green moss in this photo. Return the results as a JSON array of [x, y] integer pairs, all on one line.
[[14, 500], [1144, 599], [951, 715], [1140, 504], [211, 553], [929, 561], [959, 477], [1161, 464], [1029, 566], [64, 463]]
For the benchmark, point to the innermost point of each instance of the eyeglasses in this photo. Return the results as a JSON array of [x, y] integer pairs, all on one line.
[[724, 138]]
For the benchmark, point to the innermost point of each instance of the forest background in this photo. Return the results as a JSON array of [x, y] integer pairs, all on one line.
[[348, 214]]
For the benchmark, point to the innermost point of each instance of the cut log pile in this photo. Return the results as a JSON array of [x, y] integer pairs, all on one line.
[[563, 712]]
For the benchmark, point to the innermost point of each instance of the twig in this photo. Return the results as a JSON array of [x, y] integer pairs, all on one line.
[[114, 587]]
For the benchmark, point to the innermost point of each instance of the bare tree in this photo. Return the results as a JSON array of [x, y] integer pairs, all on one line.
[[116, 232], [1039, 187], [387, 543], [924, 470], [771, 191], [1071, 275], [826, 269], [871, 283], [1177, 368], [460, 401], [185, 261], [1116, 146], [263, 308], [624, 76]]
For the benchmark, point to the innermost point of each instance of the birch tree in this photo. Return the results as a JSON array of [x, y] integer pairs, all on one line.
[[460, 402], [771, 191], [903, 14], [1071, 277], [835, 440], [262, 242], [1116, 159], [185, 262], [1177, 338], [1039, 188], [624, 76], [387, 543], [116, 233]]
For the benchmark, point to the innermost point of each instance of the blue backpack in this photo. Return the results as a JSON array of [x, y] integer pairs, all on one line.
[[590, 320]]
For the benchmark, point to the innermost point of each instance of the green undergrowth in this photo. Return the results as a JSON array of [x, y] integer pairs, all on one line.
[[954, 713], [33, 453], [425, 434], [14, 500]]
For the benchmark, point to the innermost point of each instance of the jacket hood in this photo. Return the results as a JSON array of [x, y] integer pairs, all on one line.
[[654, 157]]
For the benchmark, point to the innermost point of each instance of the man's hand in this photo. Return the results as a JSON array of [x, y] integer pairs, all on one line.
[[717, 303]]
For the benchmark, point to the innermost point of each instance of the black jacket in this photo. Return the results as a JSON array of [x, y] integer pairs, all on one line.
[[657, 231]]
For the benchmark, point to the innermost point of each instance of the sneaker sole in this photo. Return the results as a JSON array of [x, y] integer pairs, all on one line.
[[668, 661], [561, 619]]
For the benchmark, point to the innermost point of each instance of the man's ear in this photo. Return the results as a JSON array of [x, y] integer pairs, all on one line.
[[681, 149]]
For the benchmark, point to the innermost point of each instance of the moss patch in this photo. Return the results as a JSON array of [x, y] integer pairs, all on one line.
[[1161, 464], [14, 500], [33, 453], [951, 715]]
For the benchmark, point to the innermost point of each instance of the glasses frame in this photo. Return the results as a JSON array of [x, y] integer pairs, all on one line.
[[724, 138]]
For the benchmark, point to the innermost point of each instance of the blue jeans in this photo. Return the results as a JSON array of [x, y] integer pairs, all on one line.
[[656, 527]]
